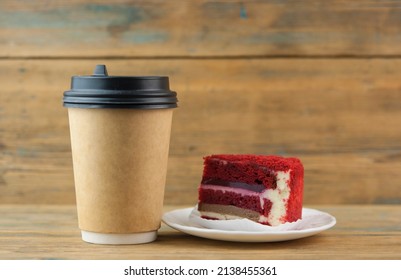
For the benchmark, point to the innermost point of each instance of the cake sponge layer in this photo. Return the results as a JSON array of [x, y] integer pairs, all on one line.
[[250, 169]]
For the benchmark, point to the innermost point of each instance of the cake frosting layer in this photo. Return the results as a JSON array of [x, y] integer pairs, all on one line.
[[279, 199]]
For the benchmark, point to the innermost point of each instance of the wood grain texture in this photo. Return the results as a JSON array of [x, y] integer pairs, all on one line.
[[50, 232], [156, 28], [341, 117]]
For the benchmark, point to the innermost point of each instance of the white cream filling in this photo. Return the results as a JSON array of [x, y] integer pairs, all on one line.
[[278, 197]]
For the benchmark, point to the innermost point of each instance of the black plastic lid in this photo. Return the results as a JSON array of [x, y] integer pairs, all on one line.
[[102, 91]]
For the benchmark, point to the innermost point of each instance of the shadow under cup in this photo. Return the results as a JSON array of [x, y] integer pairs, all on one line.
[[120, 134]]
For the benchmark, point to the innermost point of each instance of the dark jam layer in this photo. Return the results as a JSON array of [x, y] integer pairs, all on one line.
[[240, 185]]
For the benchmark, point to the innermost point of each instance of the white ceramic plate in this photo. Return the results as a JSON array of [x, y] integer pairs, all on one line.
[[180, 220]]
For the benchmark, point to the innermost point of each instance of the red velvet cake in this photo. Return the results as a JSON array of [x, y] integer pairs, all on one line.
[[265, 189]]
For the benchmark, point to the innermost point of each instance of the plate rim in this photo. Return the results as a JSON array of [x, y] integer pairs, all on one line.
[[200, 232]]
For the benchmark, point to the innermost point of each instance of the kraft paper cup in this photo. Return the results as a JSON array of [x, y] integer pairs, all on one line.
[[120, 162]]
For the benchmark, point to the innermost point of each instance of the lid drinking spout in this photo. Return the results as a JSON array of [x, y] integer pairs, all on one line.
[[100, 70]]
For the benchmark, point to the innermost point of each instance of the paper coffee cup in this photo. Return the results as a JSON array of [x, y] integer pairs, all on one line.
[[120, 133]]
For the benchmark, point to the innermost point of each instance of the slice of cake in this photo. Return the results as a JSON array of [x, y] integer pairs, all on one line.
[[265, 189]]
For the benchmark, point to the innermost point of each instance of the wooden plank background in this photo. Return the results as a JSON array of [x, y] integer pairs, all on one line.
[[157, 28], [318, 80]]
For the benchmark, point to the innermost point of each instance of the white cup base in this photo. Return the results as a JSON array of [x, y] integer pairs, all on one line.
[[118, 238]]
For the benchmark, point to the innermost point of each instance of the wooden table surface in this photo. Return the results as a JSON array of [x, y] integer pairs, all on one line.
[[50, 232]]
